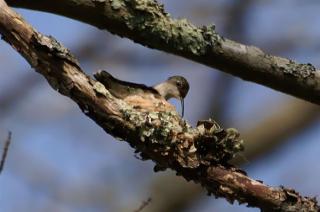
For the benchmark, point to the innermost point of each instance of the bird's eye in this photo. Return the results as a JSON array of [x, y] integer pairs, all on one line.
[[179, 84]]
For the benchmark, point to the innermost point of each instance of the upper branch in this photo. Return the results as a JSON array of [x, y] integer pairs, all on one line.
[[146, 22], [200, 154]]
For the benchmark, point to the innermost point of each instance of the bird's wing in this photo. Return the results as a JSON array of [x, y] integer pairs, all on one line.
[[122, 89]]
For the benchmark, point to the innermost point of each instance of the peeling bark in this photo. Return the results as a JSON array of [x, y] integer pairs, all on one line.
[[199, 154]]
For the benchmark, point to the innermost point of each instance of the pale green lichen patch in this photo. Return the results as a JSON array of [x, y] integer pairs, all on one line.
[[147, 6], [190, 147], [100, 89], [154, 127], [187, 37], [117, 4], [302, 71], [212, 38], [207, 144], [149, 18]]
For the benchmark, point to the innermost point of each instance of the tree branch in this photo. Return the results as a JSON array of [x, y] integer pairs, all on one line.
[[146, 22], [5, 152], [200, 154], [289, 119]]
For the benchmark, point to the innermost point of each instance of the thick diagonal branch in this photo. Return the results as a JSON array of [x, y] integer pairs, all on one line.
[[146, 22], [199, 154]]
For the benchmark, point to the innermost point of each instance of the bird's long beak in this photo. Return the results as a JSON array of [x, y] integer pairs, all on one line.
[[182, 106]]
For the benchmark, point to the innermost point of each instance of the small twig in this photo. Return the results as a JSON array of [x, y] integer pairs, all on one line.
[[5, 151], [143, 205]]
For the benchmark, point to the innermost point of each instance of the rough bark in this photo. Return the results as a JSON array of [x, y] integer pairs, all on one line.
[[200, 154], [146, 22]]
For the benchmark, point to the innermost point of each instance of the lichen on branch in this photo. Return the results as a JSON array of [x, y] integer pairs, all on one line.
[[200, 154], [147, 23]]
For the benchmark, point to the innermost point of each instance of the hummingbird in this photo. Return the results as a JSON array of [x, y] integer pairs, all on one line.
[[174, 87]]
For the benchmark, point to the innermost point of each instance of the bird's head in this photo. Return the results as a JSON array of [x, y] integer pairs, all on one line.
[[174, 87], [181, 85], [180, 88]]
